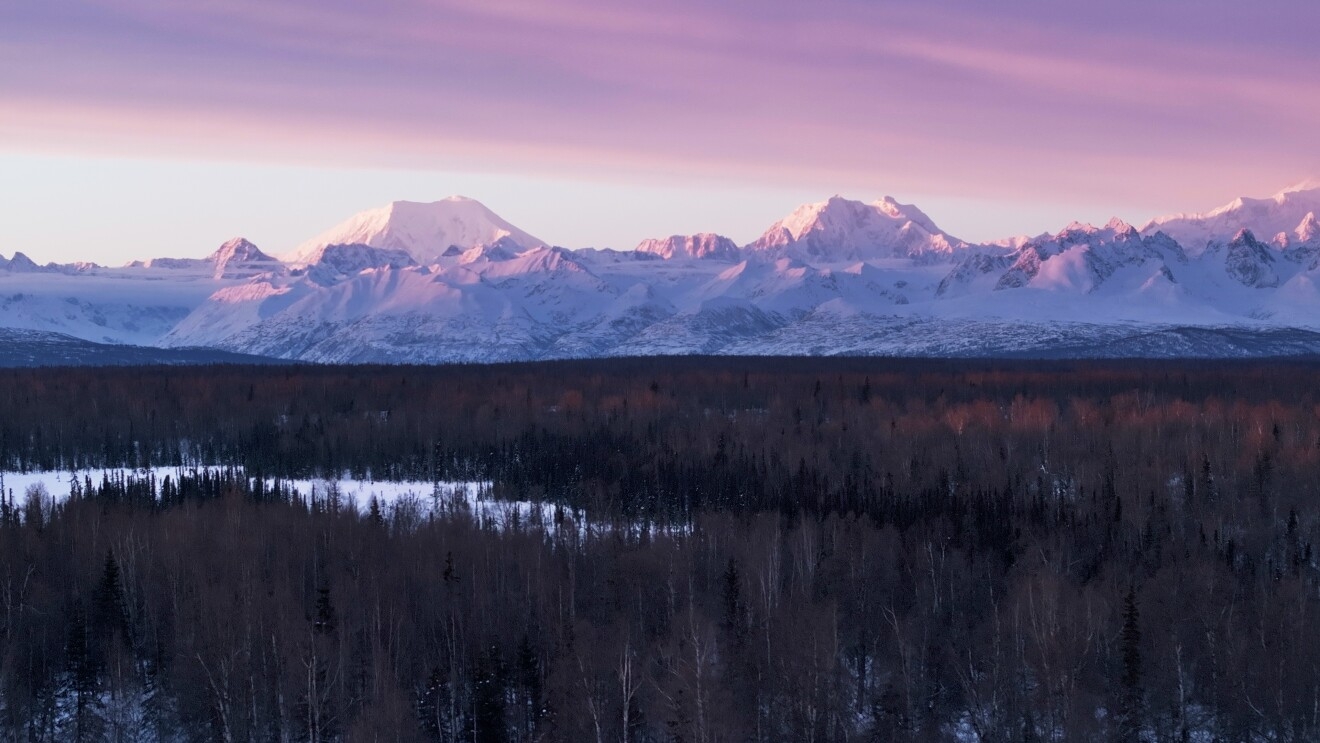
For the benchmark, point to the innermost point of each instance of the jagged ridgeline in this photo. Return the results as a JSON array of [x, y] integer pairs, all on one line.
[[741, 549], [451, 281]]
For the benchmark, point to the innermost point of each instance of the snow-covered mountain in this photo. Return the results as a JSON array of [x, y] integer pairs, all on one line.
[[235, 259], [702, 245], [451, 281], [842, 230], [20, 263], [240, 259], [135, 304], [424, 231], [337, 262], [1287, 218], [1080, 259]]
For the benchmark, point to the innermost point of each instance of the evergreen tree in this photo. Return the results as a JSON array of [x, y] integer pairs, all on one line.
[[529, 682], [374, 514], [1131, 704], [324, 621], [489, 684], [109, 613], [435, 704], [82, 722], [731, 596]]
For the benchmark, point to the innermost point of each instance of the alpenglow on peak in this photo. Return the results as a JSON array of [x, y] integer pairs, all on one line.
[[423, 230], [840, 229]]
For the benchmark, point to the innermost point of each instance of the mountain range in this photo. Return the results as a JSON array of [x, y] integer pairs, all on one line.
[[452, 281]]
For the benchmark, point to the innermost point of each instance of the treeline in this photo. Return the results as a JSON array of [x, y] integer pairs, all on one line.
[[415, 422], [871, 550]]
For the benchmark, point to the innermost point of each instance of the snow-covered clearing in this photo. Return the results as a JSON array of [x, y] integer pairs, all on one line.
[[418, 498]]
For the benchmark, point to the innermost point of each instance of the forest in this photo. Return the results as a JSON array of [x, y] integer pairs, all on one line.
[[778, 550]]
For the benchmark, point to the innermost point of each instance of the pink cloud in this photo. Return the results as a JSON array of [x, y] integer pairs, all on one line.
[[835, 94]]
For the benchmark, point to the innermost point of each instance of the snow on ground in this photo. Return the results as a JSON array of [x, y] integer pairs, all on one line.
[[451, 499]]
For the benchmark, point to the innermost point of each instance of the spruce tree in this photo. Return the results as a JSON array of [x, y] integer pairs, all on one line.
[[83, 720], [489, 683], [109, 613], [434, 709], [1131, 700]]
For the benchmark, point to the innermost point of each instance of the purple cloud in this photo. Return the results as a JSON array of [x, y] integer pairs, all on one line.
[[1182, 102]]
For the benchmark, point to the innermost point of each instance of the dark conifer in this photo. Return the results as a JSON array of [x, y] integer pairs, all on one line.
[[1130, 718]]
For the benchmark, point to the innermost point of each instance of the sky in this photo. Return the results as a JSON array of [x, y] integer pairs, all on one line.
[[140, 128]]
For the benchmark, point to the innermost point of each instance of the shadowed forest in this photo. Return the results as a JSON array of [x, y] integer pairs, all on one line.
[[778, 550]]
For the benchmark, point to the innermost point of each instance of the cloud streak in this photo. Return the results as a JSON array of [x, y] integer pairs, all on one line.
[[967, 101]]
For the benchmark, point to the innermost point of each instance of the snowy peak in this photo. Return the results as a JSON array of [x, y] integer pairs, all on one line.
[[704, 245], [1079, 258], [1250, 262], [1304, 186], [239, 250], [20, 263], [236, 259], [1120, 227], [503, 249], [1282, 213], [539, 260], [240, 259], [1308, 229], [1114, 229], [423, 230], [839, 229], [907, 213]]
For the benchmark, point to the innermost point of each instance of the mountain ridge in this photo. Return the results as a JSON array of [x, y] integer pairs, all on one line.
[[836, 276]]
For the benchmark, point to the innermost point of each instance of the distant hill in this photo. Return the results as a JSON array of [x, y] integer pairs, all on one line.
[[27, 348]]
